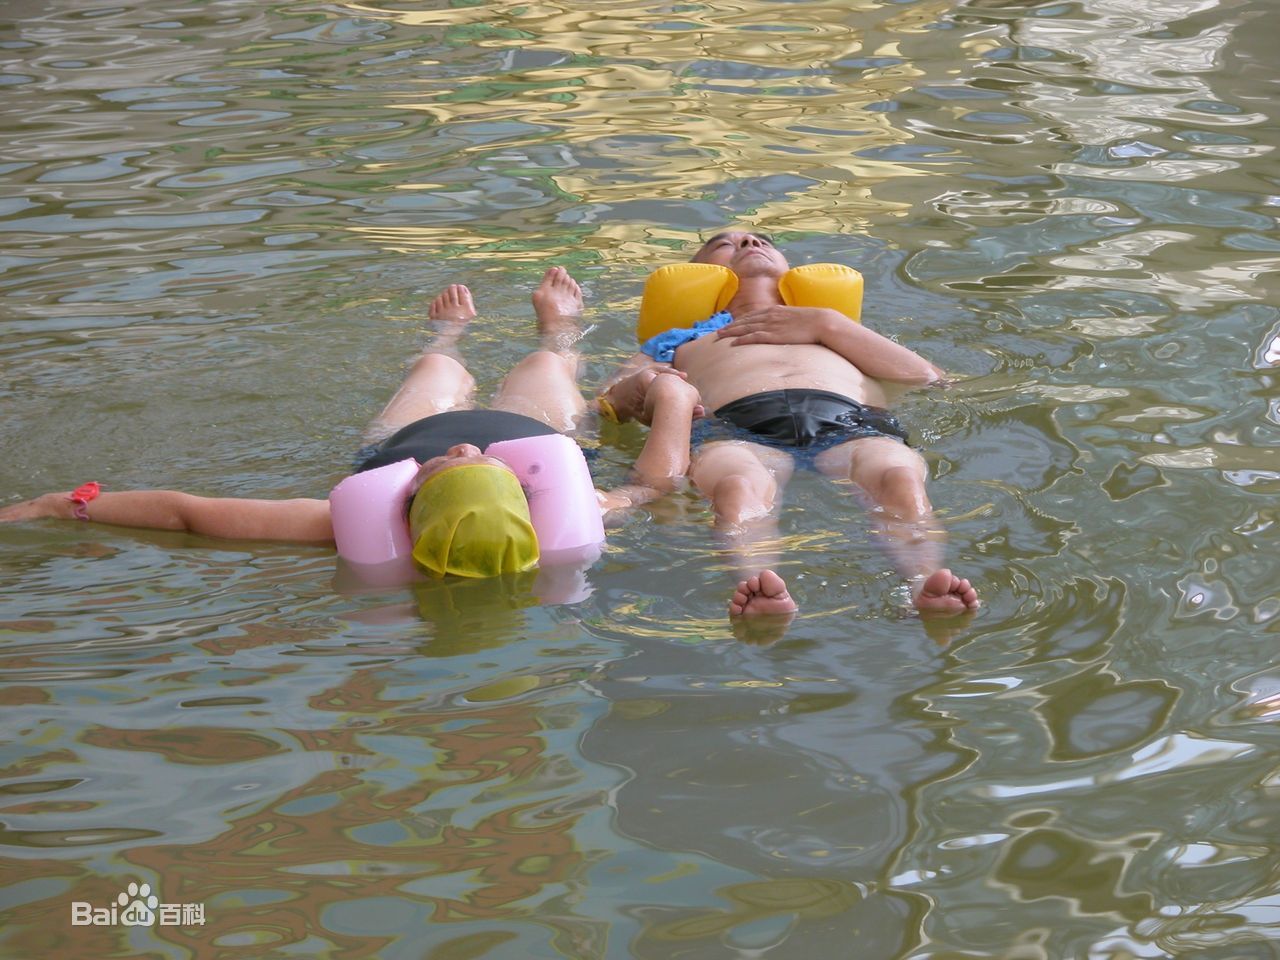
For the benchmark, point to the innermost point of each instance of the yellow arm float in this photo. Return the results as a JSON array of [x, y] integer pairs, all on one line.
[[682, 294]]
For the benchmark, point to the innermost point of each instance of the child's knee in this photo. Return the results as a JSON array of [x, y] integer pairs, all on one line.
[[439, 366], [546, 363]]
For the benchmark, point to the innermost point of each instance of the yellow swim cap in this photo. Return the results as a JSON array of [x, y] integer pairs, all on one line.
[[472, 521]]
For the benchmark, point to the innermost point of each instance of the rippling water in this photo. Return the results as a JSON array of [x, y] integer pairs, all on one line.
[[221, 224]]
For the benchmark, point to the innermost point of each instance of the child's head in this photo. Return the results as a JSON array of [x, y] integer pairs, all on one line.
[[471, 519]]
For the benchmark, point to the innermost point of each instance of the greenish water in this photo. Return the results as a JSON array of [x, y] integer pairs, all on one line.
[[222, 222]]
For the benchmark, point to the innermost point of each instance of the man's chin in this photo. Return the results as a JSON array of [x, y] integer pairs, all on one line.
[[757, 267]]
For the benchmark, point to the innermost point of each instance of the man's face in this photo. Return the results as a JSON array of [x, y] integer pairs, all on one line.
[[746, 254]]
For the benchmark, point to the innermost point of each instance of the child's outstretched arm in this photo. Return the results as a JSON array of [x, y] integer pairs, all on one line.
[[300, 520], [670, 404]]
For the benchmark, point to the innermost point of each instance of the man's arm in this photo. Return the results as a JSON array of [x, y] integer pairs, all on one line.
[[300, 520], [875, 355], [670, 405], [613, 400], [624, 397]]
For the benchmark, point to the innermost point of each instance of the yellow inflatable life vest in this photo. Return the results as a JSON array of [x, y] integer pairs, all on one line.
[[682, 294]]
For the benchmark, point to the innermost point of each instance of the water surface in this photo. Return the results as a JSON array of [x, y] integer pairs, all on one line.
[[222, 223]]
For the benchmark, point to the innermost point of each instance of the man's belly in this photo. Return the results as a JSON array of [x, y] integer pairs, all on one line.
[[724, 373]]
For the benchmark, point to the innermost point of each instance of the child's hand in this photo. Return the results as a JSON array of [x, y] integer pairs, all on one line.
[[40, 508]]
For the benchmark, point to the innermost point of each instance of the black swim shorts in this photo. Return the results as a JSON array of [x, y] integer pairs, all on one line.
[[815, 420], [433, 436]]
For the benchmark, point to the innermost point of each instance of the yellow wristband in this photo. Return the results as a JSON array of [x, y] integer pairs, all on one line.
[[606, 409]]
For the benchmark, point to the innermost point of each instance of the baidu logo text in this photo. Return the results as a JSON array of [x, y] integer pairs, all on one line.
[[137, 906]]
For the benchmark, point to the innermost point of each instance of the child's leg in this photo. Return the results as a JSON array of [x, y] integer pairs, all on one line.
[[544, 385], [437, 381]]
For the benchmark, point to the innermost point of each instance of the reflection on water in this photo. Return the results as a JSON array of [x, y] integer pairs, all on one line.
[[221, 227]]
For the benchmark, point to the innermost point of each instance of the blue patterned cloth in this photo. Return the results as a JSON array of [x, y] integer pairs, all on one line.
[[663, 347]]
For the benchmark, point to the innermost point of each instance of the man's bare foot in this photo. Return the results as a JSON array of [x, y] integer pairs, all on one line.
[[761, 609], [760, 595], [944, 593], [557, 303], [454, 305]]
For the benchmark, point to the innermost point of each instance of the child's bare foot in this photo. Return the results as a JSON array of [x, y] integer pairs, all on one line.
[[759, 595], [454, 305], [946, 594], [557, 302]]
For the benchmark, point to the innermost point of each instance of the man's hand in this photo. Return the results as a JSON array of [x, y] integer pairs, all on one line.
[[669, 387], [874, 354], [630, 398], [668, 403], [780, 325]]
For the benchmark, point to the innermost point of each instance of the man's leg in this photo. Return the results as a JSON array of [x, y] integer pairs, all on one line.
[[744, 482], [544, 385], [893, 476], [437, 381]]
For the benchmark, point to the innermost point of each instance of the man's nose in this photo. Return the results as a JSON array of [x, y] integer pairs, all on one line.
[[463, 450], [750, 241]]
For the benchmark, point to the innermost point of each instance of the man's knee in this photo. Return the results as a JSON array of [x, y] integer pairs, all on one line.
[[737, 498], [901, 490]]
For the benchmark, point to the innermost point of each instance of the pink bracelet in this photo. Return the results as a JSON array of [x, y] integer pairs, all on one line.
[[81, 495]]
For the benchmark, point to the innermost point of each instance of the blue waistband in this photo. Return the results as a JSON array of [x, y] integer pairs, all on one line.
[[663, 346]]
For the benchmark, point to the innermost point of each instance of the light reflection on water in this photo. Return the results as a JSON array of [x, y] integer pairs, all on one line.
[[221, 229]]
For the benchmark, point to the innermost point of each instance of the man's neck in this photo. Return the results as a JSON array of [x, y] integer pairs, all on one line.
[[754, 293]]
